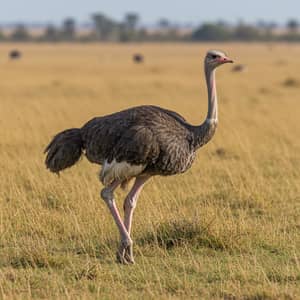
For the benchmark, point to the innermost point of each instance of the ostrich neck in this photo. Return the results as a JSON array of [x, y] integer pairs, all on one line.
[[204, 132], [212, 114]]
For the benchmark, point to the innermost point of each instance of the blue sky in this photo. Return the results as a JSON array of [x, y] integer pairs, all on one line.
[[194, 11]]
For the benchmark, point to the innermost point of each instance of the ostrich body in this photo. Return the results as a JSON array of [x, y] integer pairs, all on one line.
[[15, 54], [239, 68], [139, 143], [138, 58]]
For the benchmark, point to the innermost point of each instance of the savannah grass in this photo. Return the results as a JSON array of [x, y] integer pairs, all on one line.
[[226, 229]]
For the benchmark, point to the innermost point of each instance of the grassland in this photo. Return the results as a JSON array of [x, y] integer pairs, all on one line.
[[227, 229]]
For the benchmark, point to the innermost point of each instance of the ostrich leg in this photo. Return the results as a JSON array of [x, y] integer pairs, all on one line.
[[129, 206], [107, 195]]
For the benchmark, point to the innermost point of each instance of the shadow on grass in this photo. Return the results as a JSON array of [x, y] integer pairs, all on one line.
[[167, 235], [35, 261], [59, 256], [179, 233]]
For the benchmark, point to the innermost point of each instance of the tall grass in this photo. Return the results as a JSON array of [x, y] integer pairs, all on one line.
[[227, 229]]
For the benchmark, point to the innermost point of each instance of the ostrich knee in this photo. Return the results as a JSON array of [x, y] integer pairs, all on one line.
[[108, 196], [129, 204]]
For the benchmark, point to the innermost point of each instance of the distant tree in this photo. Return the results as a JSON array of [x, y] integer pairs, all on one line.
[[125, 34], [131, 21], [261, 24], [292, 25], [211, 32], [267, 29], [51, 34], [143, 34], [68, 29], [164, 23], [2, 36], [104, 27], [245, 32], [222, 23], [20, 33], [292, 34], [128, 28]]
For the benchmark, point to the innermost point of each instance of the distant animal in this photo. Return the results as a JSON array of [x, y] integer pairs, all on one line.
[[239, 68], [137, 143], [138, 58], [15, 54]]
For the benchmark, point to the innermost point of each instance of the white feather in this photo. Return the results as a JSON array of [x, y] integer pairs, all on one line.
[[119, 171]]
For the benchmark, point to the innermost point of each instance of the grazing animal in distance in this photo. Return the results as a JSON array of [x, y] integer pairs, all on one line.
[[239, 68], [15, 54], [138, 58], [137, 143]]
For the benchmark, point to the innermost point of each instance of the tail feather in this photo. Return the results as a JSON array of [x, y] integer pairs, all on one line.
[[64, 150]]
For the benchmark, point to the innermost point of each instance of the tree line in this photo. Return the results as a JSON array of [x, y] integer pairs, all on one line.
[[105, 29]]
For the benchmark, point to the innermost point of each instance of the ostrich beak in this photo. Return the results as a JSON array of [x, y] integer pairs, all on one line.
[[227, 60]]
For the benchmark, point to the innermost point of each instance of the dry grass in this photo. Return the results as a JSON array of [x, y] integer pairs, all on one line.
[[227, 229]]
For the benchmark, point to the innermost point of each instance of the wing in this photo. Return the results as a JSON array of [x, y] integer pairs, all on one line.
[[100, 136], [123, 136], [138, 145], [138, 135]]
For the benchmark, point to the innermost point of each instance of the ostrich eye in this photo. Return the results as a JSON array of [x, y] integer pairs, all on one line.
[[214, 56]]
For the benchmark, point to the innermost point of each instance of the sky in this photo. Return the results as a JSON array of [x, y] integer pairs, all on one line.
[[182, 11]]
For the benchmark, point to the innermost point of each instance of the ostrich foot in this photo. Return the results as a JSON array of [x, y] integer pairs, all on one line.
[[129, 254], [124, 253]]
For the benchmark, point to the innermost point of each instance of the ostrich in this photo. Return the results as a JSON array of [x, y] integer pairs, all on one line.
[[15, 54], [138, 58], [137, 143], [239, 68]]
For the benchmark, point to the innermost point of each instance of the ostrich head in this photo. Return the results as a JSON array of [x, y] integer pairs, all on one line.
[[215, 58]]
